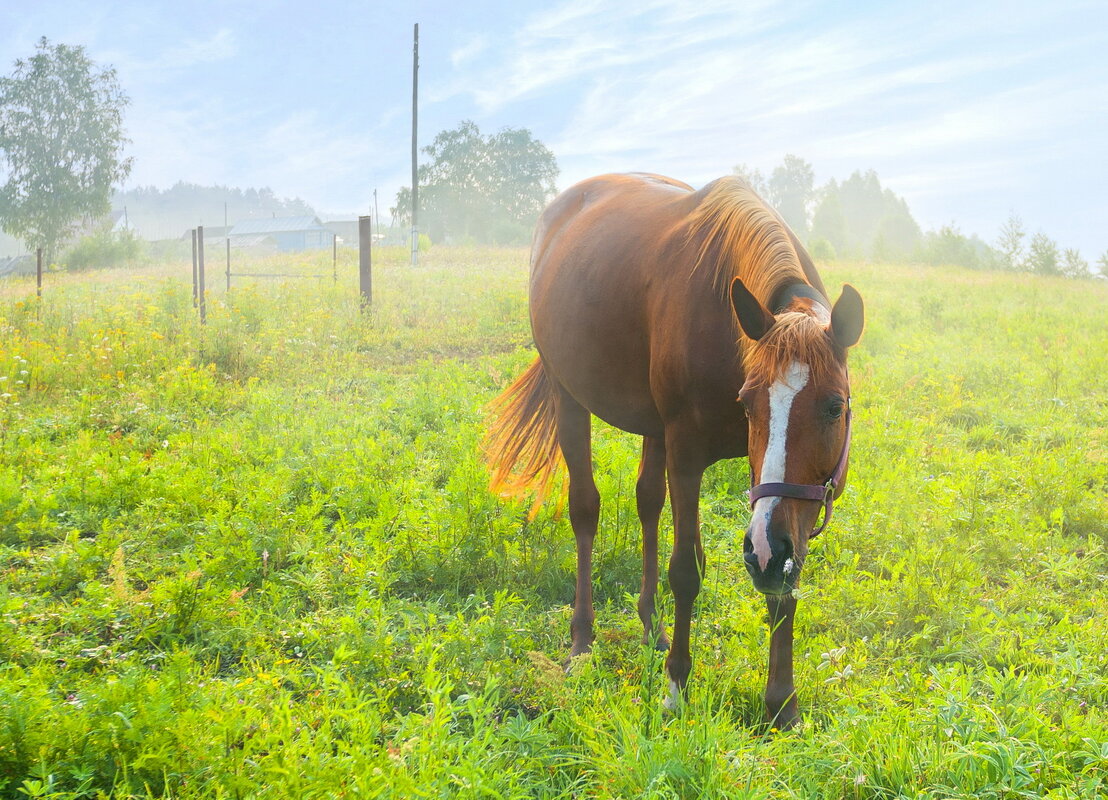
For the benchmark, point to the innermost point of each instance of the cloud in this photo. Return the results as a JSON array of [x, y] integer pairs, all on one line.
[[468, 51], [220, 46]]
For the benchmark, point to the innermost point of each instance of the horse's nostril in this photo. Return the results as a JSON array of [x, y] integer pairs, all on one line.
[[751, 559]]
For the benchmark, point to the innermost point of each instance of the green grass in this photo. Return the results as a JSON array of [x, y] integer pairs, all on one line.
[[259, 559]]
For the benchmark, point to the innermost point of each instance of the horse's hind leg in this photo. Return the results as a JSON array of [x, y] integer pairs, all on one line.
[[574, 438], [650, 493]]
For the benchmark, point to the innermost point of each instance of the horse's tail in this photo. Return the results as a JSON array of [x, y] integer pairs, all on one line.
[[521, 443]]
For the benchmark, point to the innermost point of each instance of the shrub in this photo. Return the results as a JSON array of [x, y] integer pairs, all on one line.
[[104, 248], [822, 250]]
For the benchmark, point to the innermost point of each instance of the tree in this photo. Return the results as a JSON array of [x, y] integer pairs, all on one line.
[[1009, 243], [61, 136], [828, 223], [1073, 265], [488, 188], [898, 234], [859, 217], [865, 204], [949, 246], [1042, 256], [522, 177], [752, 176], [1102, 264], [790, 190]]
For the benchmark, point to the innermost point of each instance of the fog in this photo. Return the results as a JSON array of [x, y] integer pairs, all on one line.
[[968, 115]]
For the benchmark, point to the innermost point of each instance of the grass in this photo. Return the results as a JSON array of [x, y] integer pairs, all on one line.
[[258, 559]]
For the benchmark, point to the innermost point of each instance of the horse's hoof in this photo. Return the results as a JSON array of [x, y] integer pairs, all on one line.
[[785, 720], [573, 663], [675, 700]]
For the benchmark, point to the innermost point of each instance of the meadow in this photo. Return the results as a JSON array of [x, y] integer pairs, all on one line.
[[258, 559]]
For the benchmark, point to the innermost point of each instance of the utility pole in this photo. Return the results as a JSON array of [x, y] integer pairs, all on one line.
[[415, 152]]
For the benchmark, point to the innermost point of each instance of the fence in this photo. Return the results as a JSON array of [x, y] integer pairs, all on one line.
[[365, 266], [199, 278]]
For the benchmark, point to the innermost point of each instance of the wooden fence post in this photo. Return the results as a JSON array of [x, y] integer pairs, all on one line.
[[335, 257], [228, 263], [38, 272], [365, 258], [195, 294], [200, 273]]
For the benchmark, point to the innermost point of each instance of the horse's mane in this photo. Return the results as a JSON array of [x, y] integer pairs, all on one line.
[[741, 237], [796, 336]]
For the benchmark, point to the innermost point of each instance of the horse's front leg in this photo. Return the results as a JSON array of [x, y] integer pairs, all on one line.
[[686, 564], [650, 493], [781, 708]]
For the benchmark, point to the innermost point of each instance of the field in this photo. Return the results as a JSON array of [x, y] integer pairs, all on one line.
[[259, 559]]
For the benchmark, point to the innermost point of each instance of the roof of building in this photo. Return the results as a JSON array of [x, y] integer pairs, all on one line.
[[276, 225], [252, 240], [210, 232], [17, 265]]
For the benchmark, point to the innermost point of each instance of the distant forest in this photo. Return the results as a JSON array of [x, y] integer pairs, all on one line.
[[166, 214], [858, 218]]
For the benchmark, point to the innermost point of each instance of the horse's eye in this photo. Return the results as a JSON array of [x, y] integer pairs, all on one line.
[[835, 410]]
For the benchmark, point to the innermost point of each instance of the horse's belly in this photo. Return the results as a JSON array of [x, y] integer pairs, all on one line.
[[608, 375]]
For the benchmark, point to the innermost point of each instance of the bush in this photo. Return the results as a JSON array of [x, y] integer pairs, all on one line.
[[950, 247], [507, 232], [104, 248], [822, 250]]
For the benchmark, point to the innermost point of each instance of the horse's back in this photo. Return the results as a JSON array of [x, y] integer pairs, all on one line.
[[609, 255]]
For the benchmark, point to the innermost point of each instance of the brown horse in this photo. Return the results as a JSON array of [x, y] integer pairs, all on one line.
[[696, 320]]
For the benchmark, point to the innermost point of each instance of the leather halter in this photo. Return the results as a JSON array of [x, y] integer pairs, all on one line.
[[824, 493]]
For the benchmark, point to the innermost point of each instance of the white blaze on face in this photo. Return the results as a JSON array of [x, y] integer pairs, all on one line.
[[781, 395]]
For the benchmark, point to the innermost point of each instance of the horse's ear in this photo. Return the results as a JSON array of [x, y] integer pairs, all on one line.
[[848, 317], [753, 317]]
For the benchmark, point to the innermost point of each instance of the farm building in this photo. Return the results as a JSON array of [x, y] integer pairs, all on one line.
[[345, 229], [17, 265], [289, 233]]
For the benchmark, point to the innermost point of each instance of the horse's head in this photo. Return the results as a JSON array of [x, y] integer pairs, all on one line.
[[797, 402]]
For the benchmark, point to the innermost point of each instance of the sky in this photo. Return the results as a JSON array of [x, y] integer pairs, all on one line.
[[971, 111]]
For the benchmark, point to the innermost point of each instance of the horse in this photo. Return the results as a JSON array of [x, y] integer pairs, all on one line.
[[695, 319]]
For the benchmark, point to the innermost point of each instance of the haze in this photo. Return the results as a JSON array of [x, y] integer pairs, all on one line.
[[968, 110]]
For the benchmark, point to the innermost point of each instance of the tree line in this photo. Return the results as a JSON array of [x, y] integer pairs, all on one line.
[[166, 213], [62, 140], [858, 218]]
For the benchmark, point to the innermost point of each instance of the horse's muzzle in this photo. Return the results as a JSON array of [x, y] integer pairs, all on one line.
[[781, 572]]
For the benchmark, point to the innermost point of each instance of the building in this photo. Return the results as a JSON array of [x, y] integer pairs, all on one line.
[[345, 229], [18, 265], [289, 233]]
